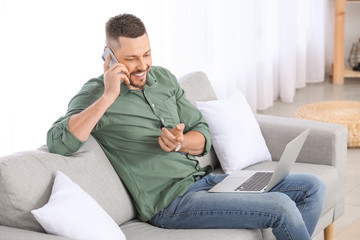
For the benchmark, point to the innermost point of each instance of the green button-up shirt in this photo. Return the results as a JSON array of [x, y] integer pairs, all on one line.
[[128, 134]]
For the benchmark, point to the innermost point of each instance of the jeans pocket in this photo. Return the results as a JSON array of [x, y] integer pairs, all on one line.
[[170, 210], [153, 220]]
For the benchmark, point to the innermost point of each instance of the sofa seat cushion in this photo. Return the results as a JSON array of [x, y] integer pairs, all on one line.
[[26, 179], [145, 231], [9, 233]]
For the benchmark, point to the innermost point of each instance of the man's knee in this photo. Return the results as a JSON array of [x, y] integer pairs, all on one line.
[[314, 185], [309, 183], [283, 208], [286, 220]]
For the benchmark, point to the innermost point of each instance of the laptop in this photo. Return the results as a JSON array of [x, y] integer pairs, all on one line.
[[250, 181]]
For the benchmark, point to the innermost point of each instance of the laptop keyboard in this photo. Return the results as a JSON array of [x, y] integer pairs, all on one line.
[[256, 182]]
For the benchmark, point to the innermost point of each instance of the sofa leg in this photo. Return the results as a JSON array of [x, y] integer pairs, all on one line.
[[329, 232]]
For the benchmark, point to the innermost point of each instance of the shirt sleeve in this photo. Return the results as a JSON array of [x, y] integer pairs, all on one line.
[[191, 117], [59, 138]]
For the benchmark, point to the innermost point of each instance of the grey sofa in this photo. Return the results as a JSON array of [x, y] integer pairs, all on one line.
[[26, 178]]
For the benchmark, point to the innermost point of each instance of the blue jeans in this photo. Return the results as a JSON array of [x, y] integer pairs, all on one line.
[[291, 209]]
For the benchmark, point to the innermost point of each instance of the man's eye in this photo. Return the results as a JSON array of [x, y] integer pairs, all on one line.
[[132, 59]]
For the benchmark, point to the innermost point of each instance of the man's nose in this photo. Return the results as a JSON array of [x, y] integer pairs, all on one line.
[[142, 64]]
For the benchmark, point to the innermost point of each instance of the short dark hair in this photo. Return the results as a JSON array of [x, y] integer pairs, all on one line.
[[124, 25]]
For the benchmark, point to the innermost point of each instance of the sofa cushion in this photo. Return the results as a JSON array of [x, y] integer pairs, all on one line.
[[9, 233], [235, 133], [72, 212], [26, 179], [197, 87], [144, 231]]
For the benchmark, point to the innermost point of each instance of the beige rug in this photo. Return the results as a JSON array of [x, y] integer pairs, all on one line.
[[341, 112]]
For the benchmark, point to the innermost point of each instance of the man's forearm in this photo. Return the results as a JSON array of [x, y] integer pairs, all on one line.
[[194, 143], [81, 124]]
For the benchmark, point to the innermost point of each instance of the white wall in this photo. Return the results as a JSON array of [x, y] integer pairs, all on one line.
[[48, 50], [352, 27]]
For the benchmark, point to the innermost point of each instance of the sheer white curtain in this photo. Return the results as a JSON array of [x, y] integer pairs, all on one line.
[[265, 48]]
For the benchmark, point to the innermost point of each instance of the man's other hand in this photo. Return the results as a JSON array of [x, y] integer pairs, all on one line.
[[170, 140]]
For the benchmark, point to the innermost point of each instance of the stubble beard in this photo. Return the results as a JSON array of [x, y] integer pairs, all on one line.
[[132, 83]]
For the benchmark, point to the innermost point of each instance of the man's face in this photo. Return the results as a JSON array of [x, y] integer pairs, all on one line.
[[135, 54]]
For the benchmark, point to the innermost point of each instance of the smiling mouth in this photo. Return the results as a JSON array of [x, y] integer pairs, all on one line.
[[138, 80], [139, 75]]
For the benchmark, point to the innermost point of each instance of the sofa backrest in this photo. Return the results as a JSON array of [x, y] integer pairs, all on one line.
[[26, 180], [197, 87]]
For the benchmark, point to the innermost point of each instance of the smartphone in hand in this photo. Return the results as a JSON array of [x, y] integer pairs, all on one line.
[[112, 59]]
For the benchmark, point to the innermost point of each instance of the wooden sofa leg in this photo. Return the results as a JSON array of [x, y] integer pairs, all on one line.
[[329, 232]]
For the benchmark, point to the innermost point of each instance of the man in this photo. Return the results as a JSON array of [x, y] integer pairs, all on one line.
[[151, 135]]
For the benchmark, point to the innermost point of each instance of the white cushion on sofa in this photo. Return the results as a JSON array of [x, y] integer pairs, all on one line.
[[72, 212], [235, 133]]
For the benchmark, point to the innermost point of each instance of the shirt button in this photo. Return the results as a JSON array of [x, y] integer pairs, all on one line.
[[152, 105], [162, 120]]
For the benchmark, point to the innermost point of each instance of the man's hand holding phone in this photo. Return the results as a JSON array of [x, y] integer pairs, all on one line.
[[81, 124], [113, 77]]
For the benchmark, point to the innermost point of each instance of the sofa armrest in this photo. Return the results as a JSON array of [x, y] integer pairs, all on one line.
[[326, 143], [9, 233]]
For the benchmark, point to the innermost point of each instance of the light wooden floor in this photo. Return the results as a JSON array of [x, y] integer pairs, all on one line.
[[351, 233], [347, 227]]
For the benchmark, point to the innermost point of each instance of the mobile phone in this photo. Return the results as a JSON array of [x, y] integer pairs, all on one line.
[[112, 59]]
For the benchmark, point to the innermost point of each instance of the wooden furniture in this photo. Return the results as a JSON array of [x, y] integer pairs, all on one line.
[[338, 69], [329, 232]]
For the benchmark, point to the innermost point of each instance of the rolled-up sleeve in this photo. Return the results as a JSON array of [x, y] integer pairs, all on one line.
[[192, 117], [60, 140], [204, 130]]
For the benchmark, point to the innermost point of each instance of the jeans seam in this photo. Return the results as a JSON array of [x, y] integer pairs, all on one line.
[[283, 224], [301, 208]]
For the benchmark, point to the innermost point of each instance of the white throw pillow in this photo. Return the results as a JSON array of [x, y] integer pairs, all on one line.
[[73, 213], [235, 133]]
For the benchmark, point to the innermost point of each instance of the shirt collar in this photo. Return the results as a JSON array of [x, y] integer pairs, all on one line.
[[151, 81], [124, 89]]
